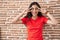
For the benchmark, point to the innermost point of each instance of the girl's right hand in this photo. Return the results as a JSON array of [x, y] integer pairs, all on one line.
[[26, 11]]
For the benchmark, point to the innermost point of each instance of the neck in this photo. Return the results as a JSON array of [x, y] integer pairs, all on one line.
[[34, 17]]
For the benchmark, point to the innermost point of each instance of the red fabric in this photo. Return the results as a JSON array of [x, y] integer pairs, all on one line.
[[34, 27], [24, 20]]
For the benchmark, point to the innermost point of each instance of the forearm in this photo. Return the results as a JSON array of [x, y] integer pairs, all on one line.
[[23, 14], [17, 18], [52, 18]]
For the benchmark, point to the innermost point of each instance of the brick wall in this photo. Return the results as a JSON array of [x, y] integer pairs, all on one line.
[[9, 9]]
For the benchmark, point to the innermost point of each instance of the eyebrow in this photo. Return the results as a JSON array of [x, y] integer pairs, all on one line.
[[31, 8]]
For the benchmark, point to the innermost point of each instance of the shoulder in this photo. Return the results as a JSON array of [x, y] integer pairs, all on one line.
[[25, 18], [43, 17]]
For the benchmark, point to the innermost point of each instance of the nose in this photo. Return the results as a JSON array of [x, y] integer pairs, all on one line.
[[34, 10]]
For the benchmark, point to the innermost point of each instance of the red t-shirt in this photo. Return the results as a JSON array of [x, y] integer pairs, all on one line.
[[34, 27]]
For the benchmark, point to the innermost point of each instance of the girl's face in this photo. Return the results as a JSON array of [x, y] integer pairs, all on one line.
[[34, 10]]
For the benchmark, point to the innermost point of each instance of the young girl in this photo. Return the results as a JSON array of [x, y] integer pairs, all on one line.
[[34, 21]]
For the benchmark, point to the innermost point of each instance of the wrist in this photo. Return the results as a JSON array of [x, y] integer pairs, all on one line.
[[47, 12]]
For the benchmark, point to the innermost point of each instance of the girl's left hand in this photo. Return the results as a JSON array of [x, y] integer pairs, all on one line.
[[43, 11]]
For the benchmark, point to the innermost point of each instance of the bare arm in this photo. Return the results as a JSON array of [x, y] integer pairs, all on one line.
[[17, 20], [53, 20]]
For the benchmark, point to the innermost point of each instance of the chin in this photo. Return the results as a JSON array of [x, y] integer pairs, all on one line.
[[34, 15]]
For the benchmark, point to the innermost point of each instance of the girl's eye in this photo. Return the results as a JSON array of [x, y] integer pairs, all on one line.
[[36, 8]]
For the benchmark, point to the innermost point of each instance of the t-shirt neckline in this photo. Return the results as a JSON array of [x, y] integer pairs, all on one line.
[[34, 19]]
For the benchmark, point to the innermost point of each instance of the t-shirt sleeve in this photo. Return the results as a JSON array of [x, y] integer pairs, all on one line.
[[45, 20], [24, 20]]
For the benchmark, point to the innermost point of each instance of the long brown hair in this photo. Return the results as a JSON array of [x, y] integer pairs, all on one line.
[[29, 14]]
